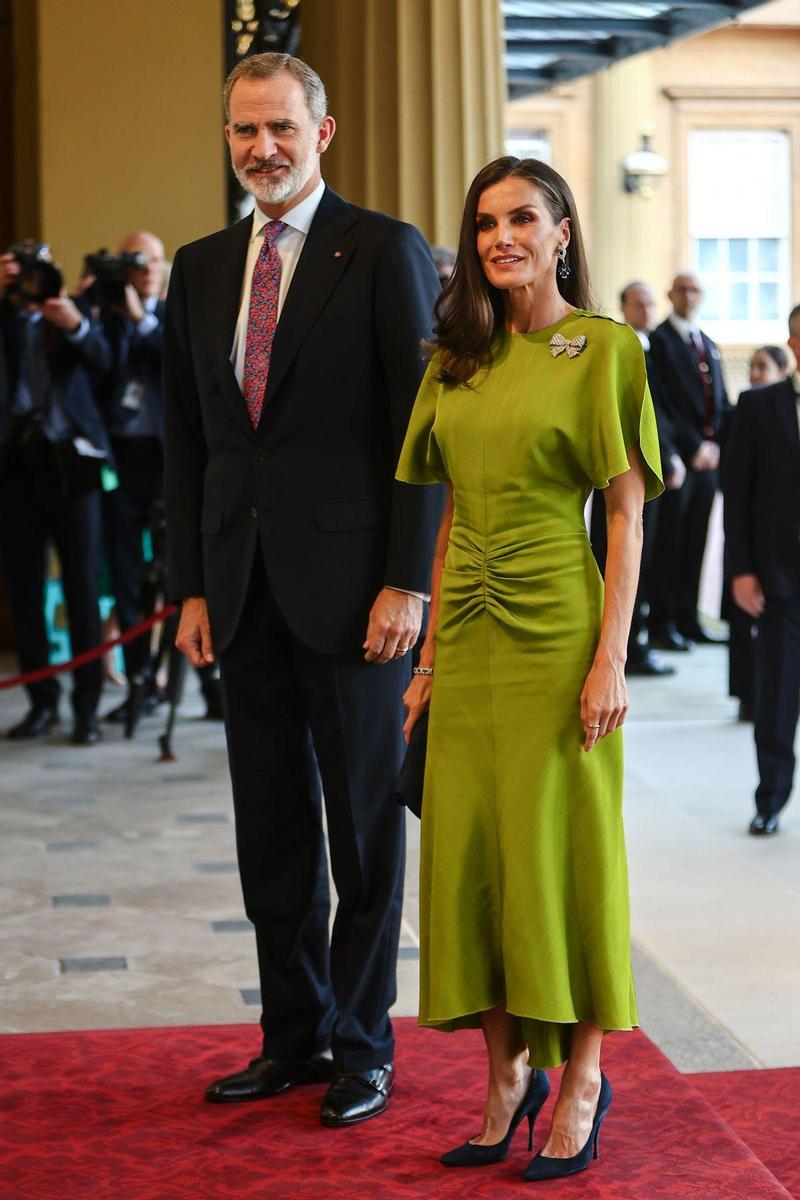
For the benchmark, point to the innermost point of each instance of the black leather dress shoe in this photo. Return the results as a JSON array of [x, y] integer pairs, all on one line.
[[702, 636], [763, 826], [36, 723], [357, 1096], [266, 1077], [646, 662], [668, 638], [85, 731]]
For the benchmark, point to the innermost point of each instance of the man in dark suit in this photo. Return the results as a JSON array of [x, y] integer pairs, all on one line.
[[54, 445], [292, 358], [762, 530], [638, 304], [689, 367]]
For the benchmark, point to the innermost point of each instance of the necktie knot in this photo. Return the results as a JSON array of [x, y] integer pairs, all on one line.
[[272, 231]]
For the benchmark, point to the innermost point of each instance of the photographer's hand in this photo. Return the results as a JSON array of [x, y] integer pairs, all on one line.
[[9, 270], [62, 313], [194, 632], [133, 304]]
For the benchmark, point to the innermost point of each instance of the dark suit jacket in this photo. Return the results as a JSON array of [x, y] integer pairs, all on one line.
[[314, 484], [762, 490], [76, 369], [138, 356], [682, 388], [666, 431]]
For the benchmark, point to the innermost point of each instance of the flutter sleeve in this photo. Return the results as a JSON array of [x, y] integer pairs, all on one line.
[[420, 458], [623, 416]]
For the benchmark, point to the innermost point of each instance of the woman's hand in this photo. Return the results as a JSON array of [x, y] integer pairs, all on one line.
[[604, 700], [416, 699]]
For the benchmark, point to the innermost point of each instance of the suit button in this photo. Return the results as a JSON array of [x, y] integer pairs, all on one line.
[[253, 512], [259, 456]]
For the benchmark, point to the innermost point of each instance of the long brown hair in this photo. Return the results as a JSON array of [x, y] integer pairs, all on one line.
[[470, 311]]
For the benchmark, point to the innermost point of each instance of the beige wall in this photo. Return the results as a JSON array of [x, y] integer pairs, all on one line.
[[130, 122]]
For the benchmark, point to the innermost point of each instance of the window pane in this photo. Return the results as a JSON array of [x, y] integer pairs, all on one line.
[[707, 254], [709, 309], [738, 301], [737, 254], [768, 301], [768, 254]]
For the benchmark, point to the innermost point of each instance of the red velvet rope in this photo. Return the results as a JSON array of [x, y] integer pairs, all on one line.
[[78, 661]]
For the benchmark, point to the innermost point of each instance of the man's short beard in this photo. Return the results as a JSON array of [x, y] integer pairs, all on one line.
[[275, 193]]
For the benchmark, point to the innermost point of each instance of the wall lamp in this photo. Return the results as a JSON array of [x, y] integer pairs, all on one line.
[[643, 170]]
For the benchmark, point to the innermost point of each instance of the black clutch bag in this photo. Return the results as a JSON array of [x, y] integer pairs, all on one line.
[[409, 784]]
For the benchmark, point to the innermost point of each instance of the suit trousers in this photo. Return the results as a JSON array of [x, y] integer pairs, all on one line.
[[679, 551], [777, 704], [301, 724], [598, 535], [34, 513], [126, 514]]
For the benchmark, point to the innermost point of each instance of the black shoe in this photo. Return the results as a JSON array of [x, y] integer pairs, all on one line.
[[266, 1077], [702, 636], [357, 1096], [646, 662], [470, 1155], [763, 826], [746, 713], [85, 731], [36, 723], [668, 638], [541, 1168]]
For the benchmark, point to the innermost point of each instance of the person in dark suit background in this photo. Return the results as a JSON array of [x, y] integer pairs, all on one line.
[[50, 488], [638, 304], [762, 530], [292, 360], [768, 364], [689, 367]]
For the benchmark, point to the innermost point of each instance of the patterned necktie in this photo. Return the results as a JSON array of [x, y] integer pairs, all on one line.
[[262, 320]]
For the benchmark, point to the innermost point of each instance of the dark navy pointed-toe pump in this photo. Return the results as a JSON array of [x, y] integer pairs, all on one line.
[[541, 1168], [470, 1155]]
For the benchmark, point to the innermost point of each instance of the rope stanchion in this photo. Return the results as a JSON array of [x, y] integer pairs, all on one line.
[[79, 660]]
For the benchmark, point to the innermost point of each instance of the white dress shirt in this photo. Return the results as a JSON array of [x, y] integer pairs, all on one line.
[[644, 339], [289, 246], [688, 331]]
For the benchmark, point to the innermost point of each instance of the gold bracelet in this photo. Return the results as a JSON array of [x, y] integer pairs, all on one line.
[[423, 670]]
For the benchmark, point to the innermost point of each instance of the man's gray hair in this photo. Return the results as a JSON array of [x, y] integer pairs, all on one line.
[[267, 66]]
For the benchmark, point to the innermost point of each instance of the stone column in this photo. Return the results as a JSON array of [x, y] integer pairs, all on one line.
[[417, 88], [629, 234]]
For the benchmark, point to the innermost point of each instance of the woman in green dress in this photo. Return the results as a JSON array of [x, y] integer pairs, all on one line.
[[530, 401]]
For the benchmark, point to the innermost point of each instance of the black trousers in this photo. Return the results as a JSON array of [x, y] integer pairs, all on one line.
[[300, 723], [34, 513], [741, 653], [679, 550], [777, 649], [126, 514], [598, 536]]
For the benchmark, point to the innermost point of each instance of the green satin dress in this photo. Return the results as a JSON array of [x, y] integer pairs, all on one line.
[[523, 877]]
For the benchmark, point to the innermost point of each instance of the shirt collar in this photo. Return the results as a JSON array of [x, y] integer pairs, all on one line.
[[643, 338], [149, 303], [298, 218], [687, 329]]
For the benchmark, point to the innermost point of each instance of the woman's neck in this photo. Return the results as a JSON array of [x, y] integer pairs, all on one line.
[[531, 308]]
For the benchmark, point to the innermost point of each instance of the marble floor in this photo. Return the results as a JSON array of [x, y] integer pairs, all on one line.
[[120, 903]]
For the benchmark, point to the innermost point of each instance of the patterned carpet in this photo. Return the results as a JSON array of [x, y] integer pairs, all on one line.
[[119, 1115]]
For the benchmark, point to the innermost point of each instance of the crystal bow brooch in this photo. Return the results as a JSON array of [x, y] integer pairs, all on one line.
[[573, 346]]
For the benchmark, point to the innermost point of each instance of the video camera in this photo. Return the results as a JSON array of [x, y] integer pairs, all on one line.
[[39, 278], [111, 273]]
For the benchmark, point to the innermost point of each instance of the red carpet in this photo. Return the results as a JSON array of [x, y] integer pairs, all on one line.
[[763, 1107], [118, 1115]]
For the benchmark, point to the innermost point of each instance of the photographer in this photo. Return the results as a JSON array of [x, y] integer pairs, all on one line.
[[127, 288], [53, 448]]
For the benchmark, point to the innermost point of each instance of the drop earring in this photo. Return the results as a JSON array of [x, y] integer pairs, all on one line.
[[563, 266]]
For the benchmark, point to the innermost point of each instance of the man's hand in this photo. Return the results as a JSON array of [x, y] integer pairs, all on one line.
[[394, 625], [9, 270], [748, 594], [706, 457], [676, 474], [133, 307], [194, 632], [62, 313]]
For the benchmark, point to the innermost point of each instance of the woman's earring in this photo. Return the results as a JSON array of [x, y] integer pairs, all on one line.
[[563, 265]]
